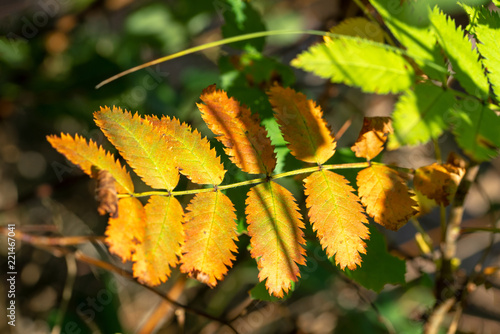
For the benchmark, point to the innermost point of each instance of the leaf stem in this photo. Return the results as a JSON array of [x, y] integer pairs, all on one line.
[[264, 34]]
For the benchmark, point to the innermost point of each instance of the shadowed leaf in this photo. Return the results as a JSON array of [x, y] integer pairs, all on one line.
[[302, 124], [385, 196], [276, 238], [337, 217]]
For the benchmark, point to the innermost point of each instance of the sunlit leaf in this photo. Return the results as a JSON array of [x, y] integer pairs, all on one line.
[[372, 137], [161, 246]]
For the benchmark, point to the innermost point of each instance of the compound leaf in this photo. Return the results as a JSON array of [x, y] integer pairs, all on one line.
[[276, 238], [245, 140], [372, 137], [358, 62], [419, 115], [161, 245], [191, 152], [125, 232], [385, 196], [145, 150], [463, 58], [337, 217], [302, 124], [86, 155], [210, 226]]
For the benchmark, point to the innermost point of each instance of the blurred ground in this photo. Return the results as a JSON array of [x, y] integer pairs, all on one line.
[[54, 52]]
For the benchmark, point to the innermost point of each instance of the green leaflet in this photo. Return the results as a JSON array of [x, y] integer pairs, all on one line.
[[476, 130], [463, 58], [379, 267], [413, 32], [358, 62], [419, 115], [488, 32]]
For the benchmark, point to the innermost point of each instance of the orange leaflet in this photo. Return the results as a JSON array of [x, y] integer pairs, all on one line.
[[337, 217], [210, 235], [145, 150], [191, 152], [385, 196], [163, 238], [301, 122], [245, 140], [372, 137], [125, 232], [438, 181], [86, 155], [276, 238]]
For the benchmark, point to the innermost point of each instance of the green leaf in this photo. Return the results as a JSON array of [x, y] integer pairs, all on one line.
[[476, 130], [243, 19], [488, 32], [379, 267], [358, 62], [419, 115], [413, 32], [463, 58]]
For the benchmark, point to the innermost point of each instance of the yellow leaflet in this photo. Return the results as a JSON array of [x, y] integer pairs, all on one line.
[[125, 232], [210, 235], [301, 121], [245, 140], [86, 155], [163, 238], [145, 150], [385, 196], [191, 152], [276, 238], [337, 217]]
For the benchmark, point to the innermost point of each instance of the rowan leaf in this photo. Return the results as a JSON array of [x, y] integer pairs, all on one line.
[[191, 152], [210, 226], [438, 181], [163, 238], [125, 232], [408, 21], [337, 217], [358, 26], [372, 137], [145, 150], [358, 62], [386, 197], [463, 58], [245, 140], [86, 155], [301, 122], [488, 32], [276, 238], [419, 115], [476, 129]]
